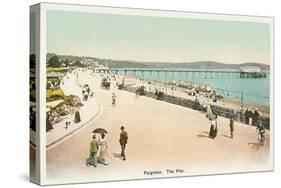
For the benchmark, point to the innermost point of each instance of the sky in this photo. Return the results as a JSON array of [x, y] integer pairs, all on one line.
[[156, 39]]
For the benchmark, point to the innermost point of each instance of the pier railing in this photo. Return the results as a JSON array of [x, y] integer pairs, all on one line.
[[219, 110], [194, 72]]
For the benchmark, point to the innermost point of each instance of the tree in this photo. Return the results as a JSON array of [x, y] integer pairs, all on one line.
[[78, 64], [54, 62], [66, 62]]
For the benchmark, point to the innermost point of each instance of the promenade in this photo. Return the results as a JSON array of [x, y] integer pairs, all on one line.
[[88, 111], [161, 136]]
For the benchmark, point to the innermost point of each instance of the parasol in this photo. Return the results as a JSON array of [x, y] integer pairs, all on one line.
[[100, 130]]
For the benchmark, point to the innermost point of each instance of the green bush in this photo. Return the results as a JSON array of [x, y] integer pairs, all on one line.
[[53, 95]]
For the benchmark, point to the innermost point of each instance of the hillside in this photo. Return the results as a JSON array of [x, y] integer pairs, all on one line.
[[138, 64]]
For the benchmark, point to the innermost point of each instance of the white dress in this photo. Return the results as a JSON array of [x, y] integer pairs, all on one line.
[[103, 157]]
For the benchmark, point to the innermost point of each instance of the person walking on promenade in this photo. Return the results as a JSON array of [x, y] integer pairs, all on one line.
[[251, 114], [256, 117], [261, 130], [247, 116], [67, 122], [214, 128], [197, 103], [209, 114], [137, 92], [104, 157], [94, 146], [113, 99], [231, 126], [77, 117], [123, 141]]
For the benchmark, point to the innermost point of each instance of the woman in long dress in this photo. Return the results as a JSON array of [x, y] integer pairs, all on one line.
[[77, 117], [213, 129], [103, 157]]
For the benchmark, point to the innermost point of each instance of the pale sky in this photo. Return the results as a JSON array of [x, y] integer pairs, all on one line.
[[155, 39]]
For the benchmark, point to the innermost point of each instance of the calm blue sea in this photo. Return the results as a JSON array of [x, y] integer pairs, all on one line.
[[255, 90]]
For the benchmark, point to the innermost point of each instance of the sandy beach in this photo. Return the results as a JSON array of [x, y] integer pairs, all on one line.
[[151, 85], [162, 136]]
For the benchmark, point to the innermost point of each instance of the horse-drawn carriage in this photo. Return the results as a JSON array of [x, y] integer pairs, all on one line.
[[159, 94], [105, 83], [120, 86], [141, 90], [85, 91]]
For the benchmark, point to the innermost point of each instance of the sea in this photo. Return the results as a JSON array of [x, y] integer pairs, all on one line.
[[250, 90]]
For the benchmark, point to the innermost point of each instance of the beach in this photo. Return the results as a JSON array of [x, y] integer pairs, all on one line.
[[226, 82], [175, 90], [163, 137]]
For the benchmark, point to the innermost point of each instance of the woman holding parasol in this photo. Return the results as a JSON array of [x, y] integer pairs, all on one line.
[[103, 157]]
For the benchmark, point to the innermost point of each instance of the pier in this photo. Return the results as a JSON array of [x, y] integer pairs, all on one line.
[[196, 73]]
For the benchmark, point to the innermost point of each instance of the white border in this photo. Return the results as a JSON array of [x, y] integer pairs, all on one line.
[[43, 79], [272, 107], [44, 7], [36, 11]]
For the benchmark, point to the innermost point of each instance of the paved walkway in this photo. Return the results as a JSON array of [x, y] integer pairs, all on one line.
[[88, 111], [161, 136]]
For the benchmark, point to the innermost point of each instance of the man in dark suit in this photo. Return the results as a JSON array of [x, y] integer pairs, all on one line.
[[256, 117], [123, 141]]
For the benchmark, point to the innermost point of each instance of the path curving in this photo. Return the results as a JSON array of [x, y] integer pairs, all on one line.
[[161, 136]]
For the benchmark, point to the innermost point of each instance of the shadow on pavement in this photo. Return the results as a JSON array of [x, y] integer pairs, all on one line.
[[117, 155], [202, 136], [226, 136]]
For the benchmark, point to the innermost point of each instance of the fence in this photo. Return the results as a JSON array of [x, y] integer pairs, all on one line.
[[219, 110]]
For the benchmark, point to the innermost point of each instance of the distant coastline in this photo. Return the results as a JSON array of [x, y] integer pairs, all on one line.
[[139, 64]]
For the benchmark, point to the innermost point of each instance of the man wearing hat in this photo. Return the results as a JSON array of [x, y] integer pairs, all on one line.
[[123, 141], [94, 146], [256, 117]]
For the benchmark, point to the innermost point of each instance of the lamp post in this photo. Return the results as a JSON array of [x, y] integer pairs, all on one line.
[[242, 100]]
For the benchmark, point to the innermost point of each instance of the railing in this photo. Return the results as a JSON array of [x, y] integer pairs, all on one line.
[[218, 72], [219, 110]]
